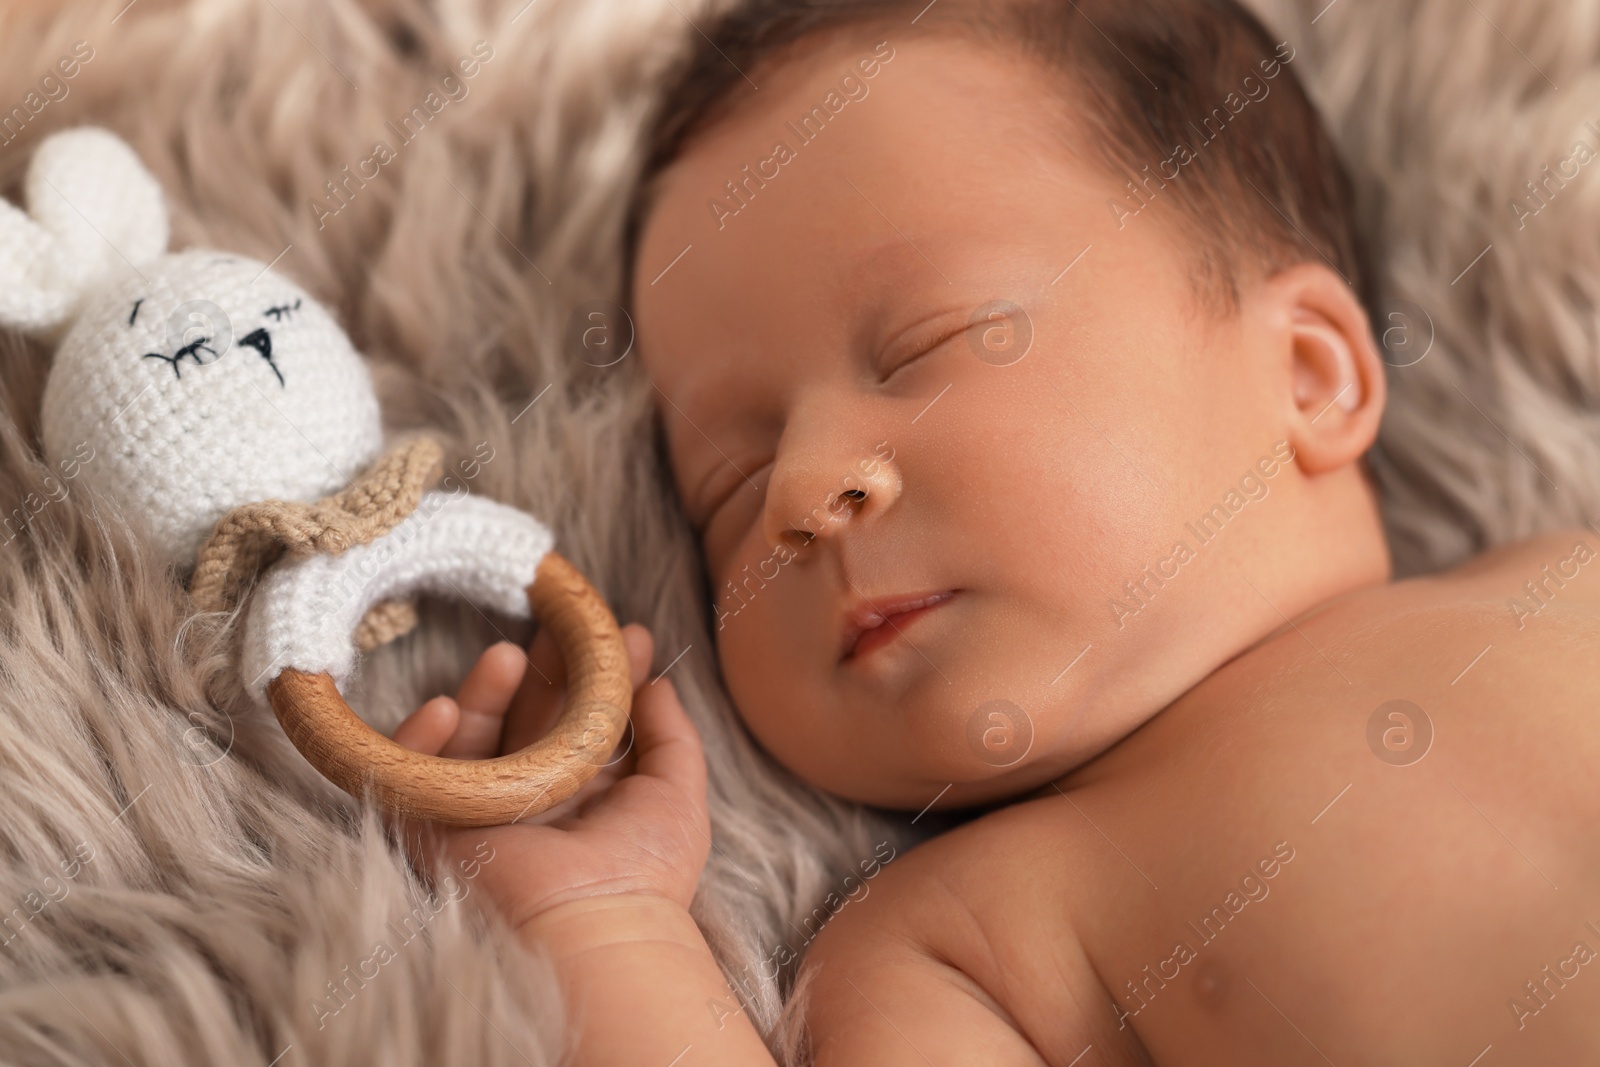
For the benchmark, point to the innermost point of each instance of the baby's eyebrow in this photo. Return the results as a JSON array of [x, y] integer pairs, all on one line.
[[889, 260]]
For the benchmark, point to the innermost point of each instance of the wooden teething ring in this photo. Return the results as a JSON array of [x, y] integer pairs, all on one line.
[[355, 757]]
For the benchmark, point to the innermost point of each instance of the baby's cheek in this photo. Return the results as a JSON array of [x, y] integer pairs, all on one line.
[[1052, 510], [778, 679]]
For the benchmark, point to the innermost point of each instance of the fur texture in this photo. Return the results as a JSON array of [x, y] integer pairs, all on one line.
[[233, 904], [1445, 113]]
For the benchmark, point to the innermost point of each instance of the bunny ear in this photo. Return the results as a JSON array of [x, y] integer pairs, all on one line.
[[93, 211]]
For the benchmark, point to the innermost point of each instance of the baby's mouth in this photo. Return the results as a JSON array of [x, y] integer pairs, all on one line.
[[876, 621]]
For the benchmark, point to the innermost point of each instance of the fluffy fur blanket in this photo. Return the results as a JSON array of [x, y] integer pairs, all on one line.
[[179, 887]]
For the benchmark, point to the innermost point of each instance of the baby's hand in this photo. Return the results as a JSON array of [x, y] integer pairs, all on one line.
[[639, 826]]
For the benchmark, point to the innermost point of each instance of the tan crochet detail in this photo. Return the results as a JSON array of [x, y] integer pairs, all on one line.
[[252, 536], [385, 621]]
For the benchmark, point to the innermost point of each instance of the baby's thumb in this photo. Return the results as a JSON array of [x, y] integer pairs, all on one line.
[[666, 741], [641, 646]]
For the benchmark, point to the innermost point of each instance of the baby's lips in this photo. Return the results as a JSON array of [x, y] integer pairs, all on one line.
[[871, 612]]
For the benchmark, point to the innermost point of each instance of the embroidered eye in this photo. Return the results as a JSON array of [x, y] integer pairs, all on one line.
[[281, 311], [261, 341], [135, 313], [191, 350]]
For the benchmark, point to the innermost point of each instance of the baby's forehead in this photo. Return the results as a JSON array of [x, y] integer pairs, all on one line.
[[850, 106], [968, 101], [782, 213]]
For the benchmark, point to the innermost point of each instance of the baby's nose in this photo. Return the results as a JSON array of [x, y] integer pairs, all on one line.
[[811, 499]]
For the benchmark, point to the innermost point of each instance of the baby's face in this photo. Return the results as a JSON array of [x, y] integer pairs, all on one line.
[[817, 340]]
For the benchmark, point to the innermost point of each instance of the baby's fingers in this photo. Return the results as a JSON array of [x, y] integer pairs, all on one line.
[[425, 730], [468, 725], [654, 821], [430, 727], [483, 698]]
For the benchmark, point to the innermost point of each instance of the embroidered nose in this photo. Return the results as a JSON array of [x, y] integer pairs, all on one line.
[[261, 341]]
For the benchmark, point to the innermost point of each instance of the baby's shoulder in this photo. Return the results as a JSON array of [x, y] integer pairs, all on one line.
[[1553, 566], [938, 898], [965, 927], [979, 885], [1548, 586], [1557, 569]]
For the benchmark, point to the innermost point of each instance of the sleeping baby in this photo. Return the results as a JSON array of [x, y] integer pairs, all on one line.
[[1014, 365]]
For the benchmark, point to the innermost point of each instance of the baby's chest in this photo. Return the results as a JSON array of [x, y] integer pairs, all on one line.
[[1387, 870], [1307, 889], [1384, 946]]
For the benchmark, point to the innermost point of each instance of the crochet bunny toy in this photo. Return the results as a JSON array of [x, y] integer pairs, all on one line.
[[229, 415]]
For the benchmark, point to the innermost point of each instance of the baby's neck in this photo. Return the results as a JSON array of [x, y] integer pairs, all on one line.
[[1333, 553]]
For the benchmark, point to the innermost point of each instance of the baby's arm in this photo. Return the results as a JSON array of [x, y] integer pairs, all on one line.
[[891, 1004], [642, 986], [648, 991], [907, 977], [601, 883]]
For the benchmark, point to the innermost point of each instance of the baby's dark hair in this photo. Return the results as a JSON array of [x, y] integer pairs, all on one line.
[[1189, 101]]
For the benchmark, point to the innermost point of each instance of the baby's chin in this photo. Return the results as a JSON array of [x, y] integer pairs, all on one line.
[[1021, 777], [921, 788], [976, 713], [995, 753], [983, 750]]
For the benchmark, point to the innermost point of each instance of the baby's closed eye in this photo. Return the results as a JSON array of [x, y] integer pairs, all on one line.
[[920, 341]]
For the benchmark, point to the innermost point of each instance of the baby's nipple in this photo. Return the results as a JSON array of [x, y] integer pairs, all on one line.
[[1212, 986]]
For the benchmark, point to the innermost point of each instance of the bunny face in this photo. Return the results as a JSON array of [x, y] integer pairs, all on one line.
[[205, 381]]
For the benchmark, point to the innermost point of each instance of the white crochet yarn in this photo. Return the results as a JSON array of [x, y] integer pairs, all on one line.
[[200, 380], [93, 211], [304, 612], [206, 383], [203, 381]]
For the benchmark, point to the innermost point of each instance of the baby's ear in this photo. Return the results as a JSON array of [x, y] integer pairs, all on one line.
[[93, 211], [1337, 386]]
